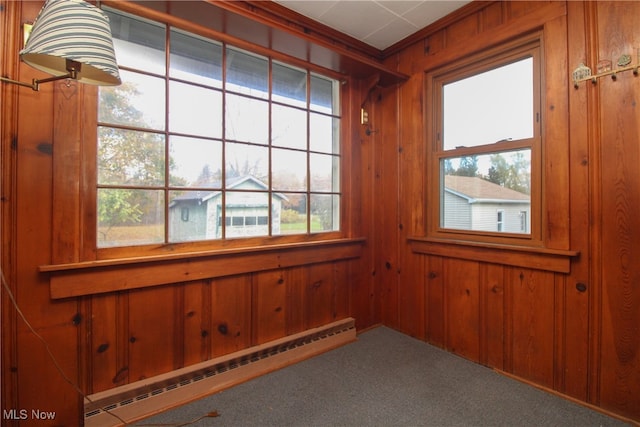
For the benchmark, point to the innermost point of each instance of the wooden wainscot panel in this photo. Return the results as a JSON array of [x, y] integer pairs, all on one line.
[[152, 330], [462, 307], [93, 277], [103, 342], [520, 256], [435, 300], [269, 306], [196, 318], [492, 314], [320, 290], [531, 338], [230, 314]]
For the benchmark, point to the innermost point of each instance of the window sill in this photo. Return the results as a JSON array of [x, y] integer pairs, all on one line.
[[112, 275], [520, 256]]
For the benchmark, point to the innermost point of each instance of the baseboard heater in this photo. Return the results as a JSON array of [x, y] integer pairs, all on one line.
[[135, 401]]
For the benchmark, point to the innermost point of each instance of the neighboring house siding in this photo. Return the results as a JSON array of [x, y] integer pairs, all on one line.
[[187, 221], [485, 217], [457, 212], [471, 203]]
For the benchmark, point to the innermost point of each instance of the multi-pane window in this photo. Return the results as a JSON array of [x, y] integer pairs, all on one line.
[[204, 141], [486, 145]]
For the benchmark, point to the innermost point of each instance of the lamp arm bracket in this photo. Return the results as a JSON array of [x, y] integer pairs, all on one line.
[[35, 84]]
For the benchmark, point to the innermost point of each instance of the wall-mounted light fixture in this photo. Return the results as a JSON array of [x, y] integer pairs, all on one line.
[[71, 37]]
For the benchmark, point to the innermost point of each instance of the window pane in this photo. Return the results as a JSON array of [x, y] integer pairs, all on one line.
[[188, 151], [247, 119], [129, 158], [138, 43], [288, 127], [289, 170], [194, 215], [493, 106], [247, 74], [324, 95], [246, 161], [139, 102], [240, 205], [325, 172], [195, 59], [323, 133], [325, 212], [293, 213], [130, 217], [195, 110], [289, 85], [195, 162], [487, 192]]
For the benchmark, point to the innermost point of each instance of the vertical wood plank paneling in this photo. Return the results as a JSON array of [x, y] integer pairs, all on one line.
[[152, 328], [462, 307], [578, 327], [532, 324], [492, 15], [463, 29], [493, 312], [35, 373], [230, 314], [435, 300], [9, 42], [620, 133], [364, 298], [269, 306], [385, 139], [435, 42], [341, 289], [411, 292], [103, 343], [555, 132], [560, 330], [320, 295], [295, 281], [196, 323], [68, 109]]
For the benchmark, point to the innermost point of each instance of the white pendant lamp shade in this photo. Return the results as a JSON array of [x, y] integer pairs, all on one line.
[[73, 30]]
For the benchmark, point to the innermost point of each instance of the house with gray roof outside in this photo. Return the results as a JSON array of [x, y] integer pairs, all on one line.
[[473, 203], [197, 215]]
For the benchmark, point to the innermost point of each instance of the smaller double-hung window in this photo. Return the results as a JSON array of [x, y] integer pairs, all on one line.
[[485, 147]]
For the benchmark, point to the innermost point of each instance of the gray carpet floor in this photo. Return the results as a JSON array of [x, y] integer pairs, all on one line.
[[385, 378]]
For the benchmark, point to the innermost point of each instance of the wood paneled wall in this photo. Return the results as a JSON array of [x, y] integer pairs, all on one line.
[[575, 333], [104, 335]]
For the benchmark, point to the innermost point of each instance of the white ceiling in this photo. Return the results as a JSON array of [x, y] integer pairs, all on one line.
[[379, 23]]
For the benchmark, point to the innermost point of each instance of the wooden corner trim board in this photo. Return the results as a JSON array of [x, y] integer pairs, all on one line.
[[555, 260], [101, 276]]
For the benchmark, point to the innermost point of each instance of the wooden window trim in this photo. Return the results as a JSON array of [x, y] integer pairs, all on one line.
[[519, 256], [90, 244], [434, 80], [111, 275]]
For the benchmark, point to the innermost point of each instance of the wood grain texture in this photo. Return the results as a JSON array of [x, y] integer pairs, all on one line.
[[572, 328], [620, 133]]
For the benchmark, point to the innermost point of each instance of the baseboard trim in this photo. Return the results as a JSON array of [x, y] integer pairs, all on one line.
[[142, 399]]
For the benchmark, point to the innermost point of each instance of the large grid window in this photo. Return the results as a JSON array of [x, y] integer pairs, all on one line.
[[205, 141], [486, 147]]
